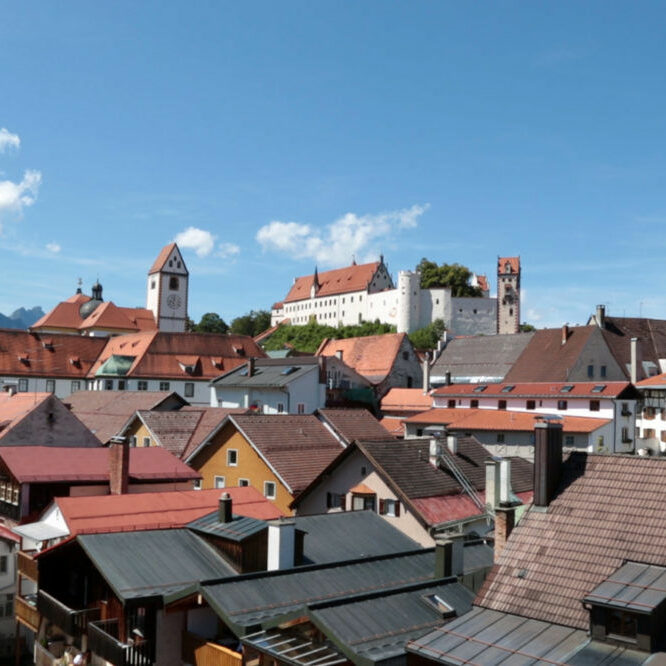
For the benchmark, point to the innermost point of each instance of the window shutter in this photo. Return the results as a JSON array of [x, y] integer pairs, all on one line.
[[382, 507], [397, 509]]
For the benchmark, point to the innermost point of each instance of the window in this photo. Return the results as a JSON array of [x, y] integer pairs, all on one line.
[[598, 388], [625, 435], [280, 408], [7, 608], [300, 408], [562, 405], [451, 403], [76, 386], [164, 386], [649, 413], [389, 507], [625, 409], [364, 502], [218, 482], [133, 440], [501, 404], [50, 385], [336, 501], [108, 384], [173, 283], [197, 485], [472, 403], [590, 371], [405, 355], [621, 623], [189, 389], [508, 388], [23, 385], [648, 433], [595, 405], [142, 385], [602, 372], [567, 389], [568, 440], [500, 438], [243, 483], [232, 457], [269, 489], [3, 564], [121, 384], [146, 441], [530, 404]]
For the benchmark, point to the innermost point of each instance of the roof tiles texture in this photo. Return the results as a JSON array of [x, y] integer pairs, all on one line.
[[354, 424], [600, 389], [337, 281], [298, 447], [406, 400], [609, 509], [161, 259]]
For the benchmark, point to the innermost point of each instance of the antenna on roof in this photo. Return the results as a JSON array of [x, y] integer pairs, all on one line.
[[353, 260]]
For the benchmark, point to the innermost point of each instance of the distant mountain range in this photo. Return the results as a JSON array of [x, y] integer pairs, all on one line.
[[21, 318]]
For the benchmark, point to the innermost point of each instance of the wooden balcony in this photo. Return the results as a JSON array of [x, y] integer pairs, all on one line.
[[26, 612], [71, 622], [27, 565], [103, 642], [200, 652]]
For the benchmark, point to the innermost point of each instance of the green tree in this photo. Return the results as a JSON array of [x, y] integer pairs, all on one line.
[[526, 328], [428, 336], [253, 323], [455, 276], [211, 322]]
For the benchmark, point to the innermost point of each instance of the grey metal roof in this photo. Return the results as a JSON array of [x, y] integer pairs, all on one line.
[[267, 375], [634, 586], [41, 531], [334, 537], [477, 358], [258, 599], [489, 637], [238, 529], [370, 630], [477, 556], [153, 562]]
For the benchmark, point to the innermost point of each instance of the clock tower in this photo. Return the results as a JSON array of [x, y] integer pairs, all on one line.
[[167, 290]]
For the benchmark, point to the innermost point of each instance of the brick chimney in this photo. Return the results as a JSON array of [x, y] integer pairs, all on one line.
[[119, 466], [565, 333], [250, 366], [547, 461], [505, 521]]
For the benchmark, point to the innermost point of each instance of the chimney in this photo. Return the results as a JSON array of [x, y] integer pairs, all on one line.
[[224, 514], [250, 367], [119, 466], [492, 483], [281, 544], [321, 362], [601, 316], [426, 374], [435, 452], [452, 444], [547, 461], [505, 520], [505, 494], [565, 333], [634, 360], [447, 378], [449, 556]]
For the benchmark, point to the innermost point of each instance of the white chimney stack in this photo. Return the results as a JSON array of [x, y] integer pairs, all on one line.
[[505, 494], [281, 544], [435, 452], [492, 483], [426, 374], [634, 360], [452, 444]]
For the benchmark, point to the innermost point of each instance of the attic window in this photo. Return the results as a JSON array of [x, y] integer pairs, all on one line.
[[288, 371], [243, 371], [239, 351], [48, 344], [567, 389], [24, 358], [436, 602], [480, 389], [599, 388], [75, 360], [508, 388]]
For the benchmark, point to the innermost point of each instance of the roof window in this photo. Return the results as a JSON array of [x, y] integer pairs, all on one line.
[[480, 389], [567, 389], [599, 388], [508, 388], [289, 370], [436, 602]]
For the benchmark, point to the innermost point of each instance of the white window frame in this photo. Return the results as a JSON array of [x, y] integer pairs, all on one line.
[[243, 483], [75, 386], [235, 456], [142, 385], [145, 442], [23, 385], [189, 390], [267, 484], [219, 481], [165, 386], [300, 408]]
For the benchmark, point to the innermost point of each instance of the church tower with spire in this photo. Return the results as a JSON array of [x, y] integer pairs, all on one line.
[[167, 290]]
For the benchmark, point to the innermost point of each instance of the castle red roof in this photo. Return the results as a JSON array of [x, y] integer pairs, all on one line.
[[337, 281]]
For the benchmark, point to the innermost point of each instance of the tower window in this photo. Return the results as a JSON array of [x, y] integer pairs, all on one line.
[[173, 283], [152, 284]]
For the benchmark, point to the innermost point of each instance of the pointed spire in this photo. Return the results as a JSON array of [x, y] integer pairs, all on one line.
[[316, 279]]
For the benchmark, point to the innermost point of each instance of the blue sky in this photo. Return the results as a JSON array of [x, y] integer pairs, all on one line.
[[272, 136]]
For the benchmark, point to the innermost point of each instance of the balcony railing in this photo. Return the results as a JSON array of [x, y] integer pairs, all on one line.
[[103, 641], [26, 612], [72, 622], [27, 565]]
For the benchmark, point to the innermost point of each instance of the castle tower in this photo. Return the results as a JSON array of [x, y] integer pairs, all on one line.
[[167, 290], [508, 294], [409, 301]]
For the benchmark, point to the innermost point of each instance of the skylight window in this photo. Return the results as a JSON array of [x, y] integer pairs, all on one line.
[[439, 604], [480, 389], [508, 388], [567, 389], [599, 388], [289, 370]]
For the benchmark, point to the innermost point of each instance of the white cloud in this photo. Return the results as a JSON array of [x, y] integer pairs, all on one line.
[[199, 240], [53, 247], [8, 140], [349, 235], [14, 197], [226, 250]]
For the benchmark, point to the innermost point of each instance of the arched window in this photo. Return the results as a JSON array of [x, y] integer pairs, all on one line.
[[173, 283]]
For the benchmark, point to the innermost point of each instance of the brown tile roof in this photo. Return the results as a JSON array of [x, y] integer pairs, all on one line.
[[651, 334], [513, 261], [405, 400], [352, 424], [536, 390], [157, 353], [546, 359], [13, 408], [498, 419], [183, 430], [393, 425], [110, 316], [47, 355], [609, 509], [338, 281], [106, 412], [297, 447], [372, 356], [161, 260], [482, 281], [658, 381]]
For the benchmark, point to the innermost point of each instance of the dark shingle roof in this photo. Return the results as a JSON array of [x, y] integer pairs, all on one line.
[[238, 529], [334, 537], [297, 446], [352, 424], [269, 373], [609, 510]]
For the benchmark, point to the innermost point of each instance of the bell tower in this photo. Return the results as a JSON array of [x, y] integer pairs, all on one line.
[[167, 290], [508, 295]]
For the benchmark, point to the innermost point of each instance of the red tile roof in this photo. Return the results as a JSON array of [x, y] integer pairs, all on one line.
[[337, 281], [372, 356], [13, 408], [393, 425], [159, 510], [66, 356], [162, 258], [658, 381], [535, 390], [405, 400], [352, 424], [50, 464], [482, 281], [297, 447], [513, 261]]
